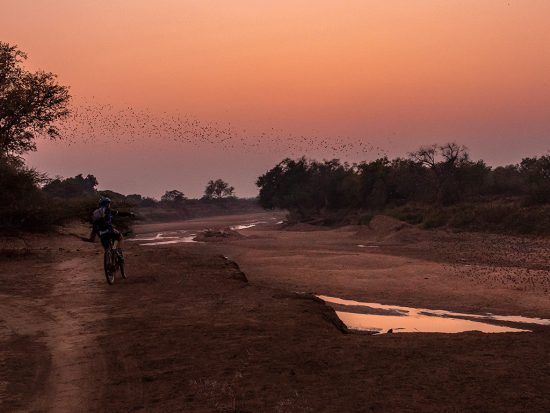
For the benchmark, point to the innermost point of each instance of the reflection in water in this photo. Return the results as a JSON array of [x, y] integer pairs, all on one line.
[[181, 236], [175, 237], [380, 318], [190, 238], [246, 226], [418, 324], [159, 236]]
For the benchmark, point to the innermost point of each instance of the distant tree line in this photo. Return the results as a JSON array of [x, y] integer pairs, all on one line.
[[84, 186], [437, 175], [215, 189]]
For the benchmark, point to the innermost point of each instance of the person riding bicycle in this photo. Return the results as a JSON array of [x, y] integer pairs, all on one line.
[[102, 225]]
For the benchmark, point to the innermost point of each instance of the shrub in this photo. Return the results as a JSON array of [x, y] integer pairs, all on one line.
[[22, 201]]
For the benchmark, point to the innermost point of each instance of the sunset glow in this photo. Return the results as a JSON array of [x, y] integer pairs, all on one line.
[[396, 74]]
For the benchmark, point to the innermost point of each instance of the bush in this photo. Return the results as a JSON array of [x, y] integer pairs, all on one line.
[[437, 218], [74, 187], [25, 206], [537, 175], [411, 214], [22, 201]]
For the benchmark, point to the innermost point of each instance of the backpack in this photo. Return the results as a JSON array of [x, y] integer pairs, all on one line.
[[98, 215]]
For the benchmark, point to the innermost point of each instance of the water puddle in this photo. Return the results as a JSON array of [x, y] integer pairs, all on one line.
[[184, 236], [173, 237], [246, 226], [242, 226], [190, 238], [379, 318], [368, 246]]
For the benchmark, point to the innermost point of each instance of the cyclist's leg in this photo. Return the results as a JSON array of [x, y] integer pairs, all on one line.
[[105, 240], [117, 239], [92, 236]]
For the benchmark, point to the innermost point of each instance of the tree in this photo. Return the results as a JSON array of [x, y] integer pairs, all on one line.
[[218, 189], [537, 174], [30, 103], [449, 155], [72, 187], [309, 187], [136, 199], [174, 196], [148, 202], [446, 163]]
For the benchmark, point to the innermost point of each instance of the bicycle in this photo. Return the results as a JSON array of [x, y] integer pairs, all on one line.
[[113, 261]]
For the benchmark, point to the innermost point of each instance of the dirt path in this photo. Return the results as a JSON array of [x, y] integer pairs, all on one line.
[[71, 341], [51, 302]]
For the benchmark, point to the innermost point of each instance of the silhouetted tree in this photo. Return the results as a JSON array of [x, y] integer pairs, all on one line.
[[148, 202], [173, 196], [20, 193], [71, 187], [134, 198], [448, 164], [442, 174], [537, 175], [30, 103], [218, 189], [506, 180]]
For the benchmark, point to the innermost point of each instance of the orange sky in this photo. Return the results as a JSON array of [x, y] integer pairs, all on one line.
[[398, 73]]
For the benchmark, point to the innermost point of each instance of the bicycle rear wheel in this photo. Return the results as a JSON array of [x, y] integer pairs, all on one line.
[[108, 266]]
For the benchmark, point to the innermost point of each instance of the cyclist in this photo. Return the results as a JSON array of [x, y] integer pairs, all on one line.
[[102, 225]]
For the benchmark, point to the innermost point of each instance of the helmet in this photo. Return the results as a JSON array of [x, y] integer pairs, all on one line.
[[104, 201]]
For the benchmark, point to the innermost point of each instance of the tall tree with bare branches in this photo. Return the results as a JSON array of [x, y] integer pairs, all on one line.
[[30, 103]]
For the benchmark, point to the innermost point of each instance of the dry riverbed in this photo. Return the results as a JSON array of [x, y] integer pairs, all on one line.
[[188, 331]]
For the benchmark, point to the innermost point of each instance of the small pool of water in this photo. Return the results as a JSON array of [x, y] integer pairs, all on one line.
[[246, 226], [182, 236], [164, 238], [381, 318]]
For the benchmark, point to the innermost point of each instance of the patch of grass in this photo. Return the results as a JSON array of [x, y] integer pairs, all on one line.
[[498, 217], [436, 219], [411, 214]]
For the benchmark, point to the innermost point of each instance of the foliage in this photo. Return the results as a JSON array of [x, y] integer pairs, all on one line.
[[25, 205], [30, 103], [21, 195], [495, 216], [442, 177], [173, 196], [537, 175], [452, 171], [71, 187], [218, 189], [307, 188]]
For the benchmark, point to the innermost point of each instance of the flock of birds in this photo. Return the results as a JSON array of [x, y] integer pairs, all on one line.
[[94, 122]]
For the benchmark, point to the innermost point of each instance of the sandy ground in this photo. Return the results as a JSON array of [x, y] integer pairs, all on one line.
[[395, 263], [187, 332]]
